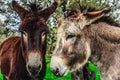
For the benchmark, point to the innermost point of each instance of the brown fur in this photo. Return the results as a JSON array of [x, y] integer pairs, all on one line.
[[15, 63]]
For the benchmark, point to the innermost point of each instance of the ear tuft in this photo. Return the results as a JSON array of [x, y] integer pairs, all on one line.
[[34, 7]]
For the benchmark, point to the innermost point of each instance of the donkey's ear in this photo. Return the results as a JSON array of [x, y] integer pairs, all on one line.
[[48, 11], [20, 10], [93, 16]]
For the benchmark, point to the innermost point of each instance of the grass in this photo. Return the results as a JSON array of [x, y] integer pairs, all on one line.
[[50, 76], [1, 76], [93, 68]]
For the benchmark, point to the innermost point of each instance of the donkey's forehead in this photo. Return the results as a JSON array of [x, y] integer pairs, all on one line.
[[34, 27], [33, 17], [33, 22], [75, 16], [70, 27], [64, 31]]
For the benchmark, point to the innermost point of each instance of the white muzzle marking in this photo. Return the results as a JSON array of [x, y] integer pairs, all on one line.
[[58, 63], [34, 61]]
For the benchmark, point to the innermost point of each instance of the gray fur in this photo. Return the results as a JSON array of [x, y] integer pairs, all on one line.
[[102, 38]]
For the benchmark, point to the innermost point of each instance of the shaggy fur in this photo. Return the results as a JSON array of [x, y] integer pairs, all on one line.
[[105, 45], [23, 58], [81, 37]]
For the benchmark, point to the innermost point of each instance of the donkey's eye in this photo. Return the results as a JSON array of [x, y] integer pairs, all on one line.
[[70, 36], [43, 34], [24, 33]]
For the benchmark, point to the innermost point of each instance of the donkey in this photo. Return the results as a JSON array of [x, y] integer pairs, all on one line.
[[87, 34], [23, 58]]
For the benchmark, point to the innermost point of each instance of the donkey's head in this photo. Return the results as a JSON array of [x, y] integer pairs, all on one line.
[[34, 30], [73, 44]]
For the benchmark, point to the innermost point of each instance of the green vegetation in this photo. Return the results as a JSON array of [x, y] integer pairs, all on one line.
[[93, 68], [1, 76], [50, 76], [51, 39]]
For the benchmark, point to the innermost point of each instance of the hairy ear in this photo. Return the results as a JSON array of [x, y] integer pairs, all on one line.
[[93, 16], [48, 11], [20, 10]]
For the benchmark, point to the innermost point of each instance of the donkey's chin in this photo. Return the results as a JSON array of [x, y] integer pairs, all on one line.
[[33, 73], [76, 67]]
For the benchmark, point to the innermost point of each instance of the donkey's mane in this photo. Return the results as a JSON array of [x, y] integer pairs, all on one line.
[[34, 7], [84, 9], [108, 20]]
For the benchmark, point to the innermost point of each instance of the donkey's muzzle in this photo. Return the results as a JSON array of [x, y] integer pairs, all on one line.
[[34, 63], [58, 67], [34, 70]]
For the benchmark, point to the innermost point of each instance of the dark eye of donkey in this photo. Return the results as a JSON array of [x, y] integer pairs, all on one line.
[[70, 36]]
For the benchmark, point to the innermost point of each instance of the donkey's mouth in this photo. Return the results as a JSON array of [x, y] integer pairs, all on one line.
[[58, 66], [61, 74]]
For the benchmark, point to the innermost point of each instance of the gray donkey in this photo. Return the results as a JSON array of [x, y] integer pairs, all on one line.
[[84, 35]]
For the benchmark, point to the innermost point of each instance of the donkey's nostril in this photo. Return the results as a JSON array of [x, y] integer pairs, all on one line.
[[39, 67], [29, 67], [34, 69], [57, 70]]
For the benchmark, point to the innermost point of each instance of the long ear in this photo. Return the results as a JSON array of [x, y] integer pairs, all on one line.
[[48, 11], [20, 10], [93, 16]]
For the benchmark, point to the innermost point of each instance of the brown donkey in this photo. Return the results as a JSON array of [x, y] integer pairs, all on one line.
[[87, 34], [23, 58]]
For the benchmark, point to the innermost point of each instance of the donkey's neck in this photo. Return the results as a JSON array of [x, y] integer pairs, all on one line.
[[106, 32], [105, 41]]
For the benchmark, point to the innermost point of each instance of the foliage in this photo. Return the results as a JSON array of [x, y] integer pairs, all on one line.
[[51, 40], [93, 68], [5, 32], [1, 76]]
